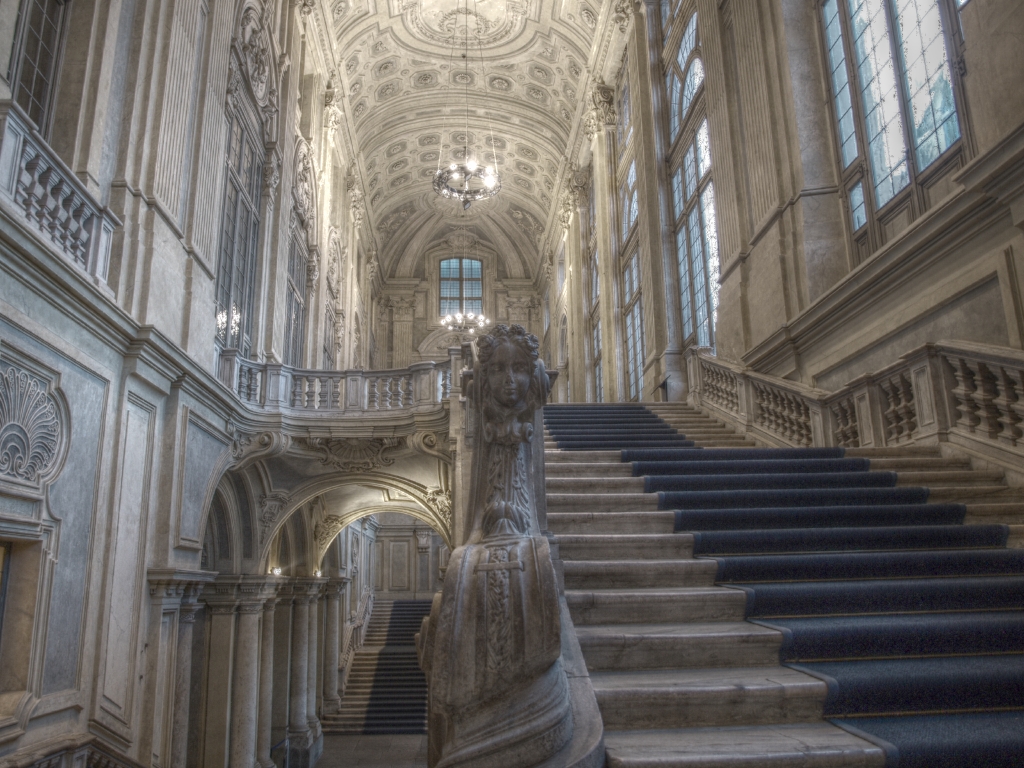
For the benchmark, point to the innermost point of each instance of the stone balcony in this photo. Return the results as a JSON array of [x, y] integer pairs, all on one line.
[[36, 187]]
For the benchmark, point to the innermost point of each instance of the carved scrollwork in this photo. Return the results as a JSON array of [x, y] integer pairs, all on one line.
[[32, 428], [325, 531], [439, 502], [431, 443], [303, 186], [602, 108], [271, 506], [353, 454], [246, 447], [255, 47]]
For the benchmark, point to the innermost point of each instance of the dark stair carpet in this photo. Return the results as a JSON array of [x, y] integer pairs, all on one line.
[[386, 692], [914, 620]]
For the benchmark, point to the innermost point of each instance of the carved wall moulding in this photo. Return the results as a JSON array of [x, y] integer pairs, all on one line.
[[353, 454], [34, 428], [271, 506]]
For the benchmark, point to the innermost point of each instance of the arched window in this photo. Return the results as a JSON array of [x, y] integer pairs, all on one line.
[[895, 105], [240, 226], [693, 191], [462, 288], [633, 314], [684, 75]]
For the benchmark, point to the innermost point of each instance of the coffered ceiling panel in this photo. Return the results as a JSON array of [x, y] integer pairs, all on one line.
[[409, 72]]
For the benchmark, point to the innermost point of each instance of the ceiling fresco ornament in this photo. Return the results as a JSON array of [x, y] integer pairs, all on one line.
[[602, 108], [442, 22], [353, 454], [527, 223], [33, 428]]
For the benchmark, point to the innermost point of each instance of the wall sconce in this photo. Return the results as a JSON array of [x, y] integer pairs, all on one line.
[[275, 571], [317, 573]]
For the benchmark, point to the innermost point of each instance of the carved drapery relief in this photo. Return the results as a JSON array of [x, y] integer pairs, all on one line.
[[303, 187], [602, 108], [33, 428]]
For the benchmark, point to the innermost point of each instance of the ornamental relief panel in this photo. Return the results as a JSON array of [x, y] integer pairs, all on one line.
[[437, 21], [34, 429]]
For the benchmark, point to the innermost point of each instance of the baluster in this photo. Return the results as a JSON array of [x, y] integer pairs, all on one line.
[[296, 391], [28, 184], [988, 391], [373, 400], [387, 394], [325, 392]]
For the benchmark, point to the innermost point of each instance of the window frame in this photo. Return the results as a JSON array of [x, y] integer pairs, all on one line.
[[296, 294], [6, 548], [633, 325], [15, 66], [240, 292], [912, 200], [462, 280]]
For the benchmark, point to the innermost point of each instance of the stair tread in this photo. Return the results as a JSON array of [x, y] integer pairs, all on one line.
[[703, 678]]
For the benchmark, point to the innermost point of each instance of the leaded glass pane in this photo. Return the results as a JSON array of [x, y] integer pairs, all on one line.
[[625, 118], [840, 82], [450, 268], [690, 167], [598, 383], [857, 212], [688, 42], [703, 150], [461, 286], [37, 63], [877, 74], [707, 207], [675, 109], [926, 78], [684, 281], [476, 306], [697, 270], [677, 193], [595, 282], [634, 349], [694, 78], [471, 269]]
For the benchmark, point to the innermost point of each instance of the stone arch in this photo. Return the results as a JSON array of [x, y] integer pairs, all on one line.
[[326, 532]]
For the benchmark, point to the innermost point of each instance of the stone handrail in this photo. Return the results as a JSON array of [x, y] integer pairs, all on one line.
[[971, 394], [354, 641], [37, 187], [275, 386]]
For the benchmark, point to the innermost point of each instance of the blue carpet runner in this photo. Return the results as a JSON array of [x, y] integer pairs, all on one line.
[[913, 620]]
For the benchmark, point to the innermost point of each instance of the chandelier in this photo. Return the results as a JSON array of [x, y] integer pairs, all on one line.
[[465, 323], [467, 181]]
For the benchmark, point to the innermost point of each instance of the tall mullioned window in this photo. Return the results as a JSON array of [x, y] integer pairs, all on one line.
[[692, 189], [462, 287], [594, 273], [295, 303], [894, 106], [240, 225], [633, 316], [35, 58]]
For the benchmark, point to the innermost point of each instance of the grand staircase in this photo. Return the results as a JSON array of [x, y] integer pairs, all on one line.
[[386, 690], [741, 606]]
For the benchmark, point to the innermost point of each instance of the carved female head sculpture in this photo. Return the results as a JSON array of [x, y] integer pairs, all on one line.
[[510, 382]]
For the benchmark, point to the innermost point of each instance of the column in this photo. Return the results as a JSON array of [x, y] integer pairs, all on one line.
[[402, 331], [298, 727], [245, 684], [313, 666], [332, 641], [183, 679], [266, 711], [221, 616]]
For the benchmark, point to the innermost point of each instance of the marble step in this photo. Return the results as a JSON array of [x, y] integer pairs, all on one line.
[[570, 522], [615, 574], [1006, 513], [580, 469], [895, 451], [590, 457], [592, 485], [689, 698], [604, 502], [950, 477], [631, 606], [678, 645], [804, 745], [915, 463], [625, 546], [975, 494]]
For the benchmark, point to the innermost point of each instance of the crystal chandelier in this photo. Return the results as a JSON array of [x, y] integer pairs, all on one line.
[[467, 181], [465, 323]]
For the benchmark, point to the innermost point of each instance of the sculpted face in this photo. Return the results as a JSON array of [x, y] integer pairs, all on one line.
[[508, 374]]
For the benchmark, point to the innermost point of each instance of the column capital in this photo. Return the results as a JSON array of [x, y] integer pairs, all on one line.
[[172, 585]]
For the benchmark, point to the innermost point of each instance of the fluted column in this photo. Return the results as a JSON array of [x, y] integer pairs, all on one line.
[[332, 646], [266, 711], [245, 685]]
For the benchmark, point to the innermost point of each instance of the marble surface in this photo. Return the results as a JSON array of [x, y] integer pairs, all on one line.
[[385, 751]]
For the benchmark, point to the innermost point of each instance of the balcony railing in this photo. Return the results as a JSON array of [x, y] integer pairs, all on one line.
[[972, 394], [38, 188], [274, 386]]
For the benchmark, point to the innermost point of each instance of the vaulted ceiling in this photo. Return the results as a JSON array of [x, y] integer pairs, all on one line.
[[406, 83]]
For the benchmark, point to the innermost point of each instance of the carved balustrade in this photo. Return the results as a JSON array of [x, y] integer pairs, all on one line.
[[38, 188], [273, 386], [972, 394]]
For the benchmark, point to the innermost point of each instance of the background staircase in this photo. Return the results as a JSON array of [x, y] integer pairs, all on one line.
[[386, 690], [739, 606]]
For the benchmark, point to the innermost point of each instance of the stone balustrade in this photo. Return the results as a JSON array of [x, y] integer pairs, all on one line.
[[275, 386], [971, 394], [39, 189]]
